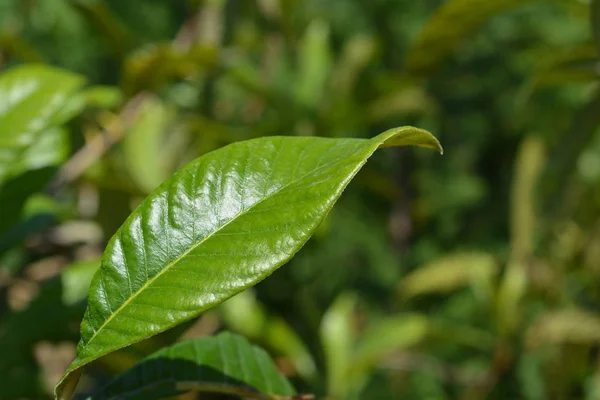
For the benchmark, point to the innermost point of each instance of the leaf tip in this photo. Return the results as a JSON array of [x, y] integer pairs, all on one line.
[[409, 136]]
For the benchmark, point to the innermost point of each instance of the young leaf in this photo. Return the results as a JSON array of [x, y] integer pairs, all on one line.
[[226, 363], [216, 227]]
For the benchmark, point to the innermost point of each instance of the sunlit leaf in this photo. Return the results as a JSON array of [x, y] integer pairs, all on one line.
[[76, 279], [32, 98], [564, 326], [226, 363], [338, 339], [314, 63], [144, 144], [449, 273], [216, 227]]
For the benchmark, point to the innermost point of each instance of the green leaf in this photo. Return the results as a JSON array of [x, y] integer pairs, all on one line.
[[381, 340], [105, 97], [314, 63], [32, 98], [529, 164], [245, 315], [216, 227], [595, 17], [16, 191], [338, 337], [446, 29], [144, 145], [564, 326], [226, 363], [390, 334], [76, 279], [27, 171], [449, 273]]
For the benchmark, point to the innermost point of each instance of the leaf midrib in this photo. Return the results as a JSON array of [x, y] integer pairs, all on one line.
[[193, 247]]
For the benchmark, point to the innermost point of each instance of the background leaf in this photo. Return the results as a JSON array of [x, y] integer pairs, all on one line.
[[338, 335], [33, 99], [245, 315], [76, 279], [226, 363], [449, 273], [453, 22]]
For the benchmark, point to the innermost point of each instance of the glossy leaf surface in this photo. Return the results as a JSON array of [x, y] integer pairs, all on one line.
[[216, 227], [226, 363]]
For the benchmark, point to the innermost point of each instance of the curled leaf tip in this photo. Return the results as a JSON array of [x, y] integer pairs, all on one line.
[[408, 136]]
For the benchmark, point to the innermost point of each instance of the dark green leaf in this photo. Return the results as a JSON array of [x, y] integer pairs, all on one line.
[[15, 192], [595, 16], [445, 30], [226, 363], [216, 227]]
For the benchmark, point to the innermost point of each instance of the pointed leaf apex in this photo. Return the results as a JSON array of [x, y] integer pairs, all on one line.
[[408, 136]]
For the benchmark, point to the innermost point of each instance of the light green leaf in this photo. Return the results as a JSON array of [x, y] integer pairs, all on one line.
[[32, 99], [528, 167], [382, 339], [102, 96], [144, 145], [564, 326], [390, 334], [449, 273], [447, 28], [216, 227], [226, 363], [338, 337], [50, 150], [76, 279], [244, 314], [314, 63], [27, 171]]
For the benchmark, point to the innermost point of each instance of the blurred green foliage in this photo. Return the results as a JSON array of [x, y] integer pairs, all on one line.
[[469, 276]]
